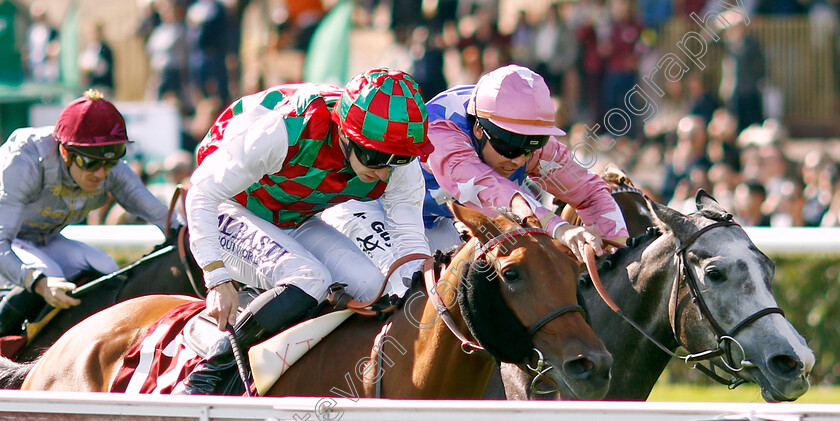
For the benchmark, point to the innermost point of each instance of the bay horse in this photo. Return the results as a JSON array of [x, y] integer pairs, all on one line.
[[515, 294], [696, 282], [168, 269]]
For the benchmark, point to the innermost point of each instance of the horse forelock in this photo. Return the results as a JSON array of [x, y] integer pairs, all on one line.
[[489, 319]]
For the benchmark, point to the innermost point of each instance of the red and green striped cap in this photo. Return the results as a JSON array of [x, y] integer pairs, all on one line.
[[382, 109]]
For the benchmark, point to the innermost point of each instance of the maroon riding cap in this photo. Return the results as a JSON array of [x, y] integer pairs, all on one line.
[[90, 121]]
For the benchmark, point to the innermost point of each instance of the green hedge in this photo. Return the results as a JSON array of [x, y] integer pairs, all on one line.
[[808, 290]]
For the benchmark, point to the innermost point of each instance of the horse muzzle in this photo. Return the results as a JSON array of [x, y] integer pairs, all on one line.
[[584, 376]]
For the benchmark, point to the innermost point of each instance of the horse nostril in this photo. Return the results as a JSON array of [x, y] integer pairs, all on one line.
[[785, 365], [580, 367]]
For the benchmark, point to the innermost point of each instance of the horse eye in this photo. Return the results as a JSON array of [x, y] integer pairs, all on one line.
[[714, 274], [511, 274]]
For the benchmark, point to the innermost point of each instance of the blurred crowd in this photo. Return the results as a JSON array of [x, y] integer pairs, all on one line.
[[725, 138]]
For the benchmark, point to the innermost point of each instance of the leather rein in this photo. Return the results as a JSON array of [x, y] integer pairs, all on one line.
[[721, 336]]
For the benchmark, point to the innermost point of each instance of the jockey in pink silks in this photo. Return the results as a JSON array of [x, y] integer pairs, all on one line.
[[488, 139]]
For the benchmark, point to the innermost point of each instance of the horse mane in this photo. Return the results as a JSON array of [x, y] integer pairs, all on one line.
[[482, 305], [489, 319], [612, 174], [613, 260]]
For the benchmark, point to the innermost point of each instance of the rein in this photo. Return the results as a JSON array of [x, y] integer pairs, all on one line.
[[340, 299], [721, 336]]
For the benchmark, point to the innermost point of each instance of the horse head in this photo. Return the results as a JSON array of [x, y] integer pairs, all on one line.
[[722, 300], [518, 299]]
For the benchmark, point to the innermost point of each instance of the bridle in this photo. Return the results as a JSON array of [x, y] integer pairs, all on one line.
[[468, 346], [722, 337]]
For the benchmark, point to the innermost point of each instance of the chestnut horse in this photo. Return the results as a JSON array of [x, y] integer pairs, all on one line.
[[697, 282], [515, 295]]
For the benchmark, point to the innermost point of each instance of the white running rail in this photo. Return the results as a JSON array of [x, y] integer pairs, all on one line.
[[103, 406], [773, 241]]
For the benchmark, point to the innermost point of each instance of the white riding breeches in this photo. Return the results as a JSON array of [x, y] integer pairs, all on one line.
[[312, 256], [62, 258], [365, 223]]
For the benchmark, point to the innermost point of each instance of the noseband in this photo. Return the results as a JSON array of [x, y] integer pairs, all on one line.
[[722, 337]]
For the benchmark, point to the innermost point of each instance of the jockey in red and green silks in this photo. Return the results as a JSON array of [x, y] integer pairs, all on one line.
[[271, 162]]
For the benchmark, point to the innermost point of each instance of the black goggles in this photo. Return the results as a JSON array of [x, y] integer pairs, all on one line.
[[92, 164], [503, 148], [508, 144], [375, 160]]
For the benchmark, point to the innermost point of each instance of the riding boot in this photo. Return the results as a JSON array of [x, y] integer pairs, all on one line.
[[269, 314], [16, 307]]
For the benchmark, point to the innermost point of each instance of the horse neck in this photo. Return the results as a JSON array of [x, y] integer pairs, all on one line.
[[636, 214], [641, 285], [441, 368]]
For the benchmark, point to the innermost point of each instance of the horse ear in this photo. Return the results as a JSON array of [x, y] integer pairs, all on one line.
[[710, 208], [664, 216], [520, 208], [668, 219], [476, 222]]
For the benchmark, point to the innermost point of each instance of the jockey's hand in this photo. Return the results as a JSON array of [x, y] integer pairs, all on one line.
[[575, 237], [223, 300], [54, 290]]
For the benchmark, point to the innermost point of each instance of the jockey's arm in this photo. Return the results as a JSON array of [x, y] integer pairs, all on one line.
[[132, 194], [403, 205], [20, 181], [238, 163], [553, 167]]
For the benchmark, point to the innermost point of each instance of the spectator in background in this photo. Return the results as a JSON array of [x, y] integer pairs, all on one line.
[[406, 15], [654, 13], [690, 152], [591, 63], [723, 146], [149, 19], [621, 55], [207, 32], [97, 61], [723, 180], [426, 52], [785, 208], [167, 48], [555, 49], [701, 100], [522, 41], [742, 73], [42, 46], [819, 174], [748, 200]]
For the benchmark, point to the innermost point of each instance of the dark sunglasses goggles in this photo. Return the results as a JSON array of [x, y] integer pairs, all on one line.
[[505, 149], [374, 159], [92, 158], [508, 147], [92, 164]]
